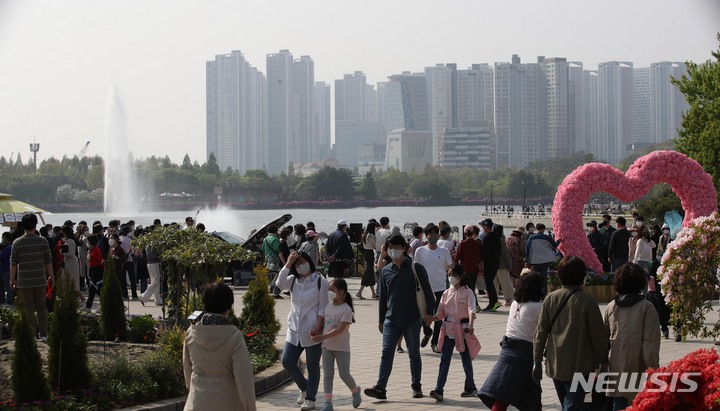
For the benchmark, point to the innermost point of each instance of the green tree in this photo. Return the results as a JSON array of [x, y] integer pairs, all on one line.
[[657, 205], [699, 136], [187, 163], [112, 307], [67, 359], [28, 382], [258, 311], [369, 190], [393, 183], [429, 187], [332, 183]]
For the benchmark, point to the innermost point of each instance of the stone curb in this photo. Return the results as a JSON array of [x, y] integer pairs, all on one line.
[[267, 380]]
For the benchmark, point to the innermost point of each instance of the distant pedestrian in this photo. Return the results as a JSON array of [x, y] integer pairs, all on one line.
[[368, 248], [339, 250], [7, 294], [470, 256], [618, 250], [540, 251], [492, 252], [31, 271]]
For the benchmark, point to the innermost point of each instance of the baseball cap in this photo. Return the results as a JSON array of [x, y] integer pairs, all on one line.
[[592, 223], [310, 233], [68, 222], [469, 228], [487, 222], [342, 222]]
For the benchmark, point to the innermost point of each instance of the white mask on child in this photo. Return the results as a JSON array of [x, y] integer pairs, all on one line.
[[453, 280], [331, 295], [303, 269]]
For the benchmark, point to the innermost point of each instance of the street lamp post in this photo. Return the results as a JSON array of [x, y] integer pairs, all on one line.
[[524, 186]]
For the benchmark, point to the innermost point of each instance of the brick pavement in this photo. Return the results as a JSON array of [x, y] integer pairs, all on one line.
[[366, 340]]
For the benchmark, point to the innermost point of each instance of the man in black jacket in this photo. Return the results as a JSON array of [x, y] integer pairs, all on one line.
[[491, 262], [618, 250], [339, 250]]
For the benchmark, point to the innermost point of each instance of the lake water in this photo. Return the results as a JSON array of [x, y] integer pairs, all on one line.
[[241, 222]]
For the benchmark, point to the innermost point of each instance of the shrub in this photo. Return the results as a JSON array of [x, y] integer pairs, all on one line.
[[67, 358], [258, 311], [143, 329], [28, 382], [90, 326], [112, 307], [8, 318], [189, 302], [171, 340], [153, 376]]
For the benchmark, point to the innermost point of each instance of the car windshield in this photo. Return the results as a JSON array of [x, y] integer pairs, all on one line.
[[229, 237]]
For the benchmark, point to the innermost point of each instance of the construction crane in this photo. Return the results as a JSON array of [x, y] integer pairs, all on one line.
[[82, 152]]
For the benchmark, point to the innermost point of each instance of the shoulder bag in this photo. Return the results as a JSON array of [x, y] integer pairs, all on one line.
[[419, 294]]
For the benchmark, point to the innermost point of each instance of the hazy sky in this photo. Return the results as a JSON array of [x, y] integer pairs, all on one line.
[[58, 59]]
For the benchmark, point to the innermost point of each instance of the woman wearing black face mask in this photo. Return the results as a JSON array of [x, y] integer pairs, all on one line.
[[308, 299]]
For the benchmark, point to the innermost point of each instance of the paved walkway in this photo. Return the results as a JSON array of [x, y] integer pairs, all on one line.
[[366, 340]]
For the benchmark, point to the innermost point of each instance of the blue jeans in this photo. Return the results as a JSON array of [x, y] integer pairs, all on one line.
[[570, 401], [543, 270], [615, 263], [291, 356], [445, 357], [391, 334]]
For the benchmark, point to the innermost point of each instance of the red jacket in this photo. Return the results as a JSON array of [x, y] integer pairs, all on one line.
[[469, 254]]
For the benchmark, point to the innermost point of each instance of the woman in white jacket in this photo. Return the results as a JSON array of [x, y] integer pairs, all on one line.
[[643, 250], [216, 363]]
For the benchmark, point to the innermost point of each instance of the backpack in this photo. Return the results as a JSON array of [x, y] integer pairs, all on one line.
[[293, 283]]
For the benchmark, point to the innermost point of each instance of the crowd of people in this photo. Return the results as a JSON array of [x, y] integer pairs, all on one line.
[[428, 291], [564, 330]]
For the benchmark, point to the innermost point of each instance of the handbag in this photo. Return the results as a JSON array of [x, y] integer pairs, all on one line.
[[419, 294]]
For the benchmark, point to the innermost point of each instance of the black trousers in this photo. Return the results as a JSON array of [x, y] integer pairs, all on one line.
[[490, 274]]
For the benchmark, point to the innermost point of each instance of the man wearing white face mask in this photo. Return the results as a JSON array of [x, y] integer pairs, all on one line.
[[308, 298], [436, 261]]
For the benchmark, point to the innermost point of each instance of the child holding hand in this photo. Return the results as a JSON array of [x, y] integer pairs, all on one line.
[[336, 342]]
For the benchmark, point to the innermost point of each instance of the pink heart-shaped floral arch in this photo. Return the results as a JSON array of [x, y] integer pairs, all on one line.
[[687, 178]]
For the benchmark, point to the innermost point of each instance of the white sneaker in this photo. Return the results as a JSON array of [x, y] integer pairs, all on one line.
[[307, 405], [301, 397]]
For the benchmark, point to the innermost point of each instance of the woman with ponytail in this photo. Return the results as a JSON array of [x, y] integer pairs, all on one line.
[[339, 314]]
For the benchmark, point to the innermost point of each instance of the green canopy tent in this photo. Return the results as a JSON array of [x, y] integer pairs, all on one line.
[[12, 210]]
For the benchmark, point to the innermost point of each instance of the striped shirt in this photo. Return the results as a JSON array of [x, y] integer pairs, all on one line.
[[30, 253]]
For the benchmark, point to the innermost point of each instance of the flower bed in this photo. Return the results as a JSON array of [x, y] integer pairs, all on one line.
[[688, 274], [705, 397]]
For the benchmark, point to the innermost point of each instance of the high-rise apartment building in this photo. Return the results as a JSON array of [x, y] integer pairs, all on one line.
[[440, 101], [520, 99], [303, 137], [667, 102], [475, 94], [290, 102], [642, 106], [556, 78], [355, 118], [323, 125], [406, 103], [615, 109], [280, 105], [468, 146], [577, 102], [590, 79], [235, 115]]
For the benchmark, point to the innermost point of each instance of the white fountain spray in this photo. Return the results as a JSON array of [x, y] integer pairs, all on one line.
[[121, 180]]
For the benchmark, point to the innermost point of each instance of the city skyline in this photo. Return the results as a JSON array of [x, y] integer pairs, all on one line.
[[56, 76]]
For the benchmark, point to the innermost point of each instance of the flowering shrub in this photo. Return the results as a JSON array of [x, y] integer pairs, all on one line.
[[706, 397], [688, 271], [143, 329], [687, 178]]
